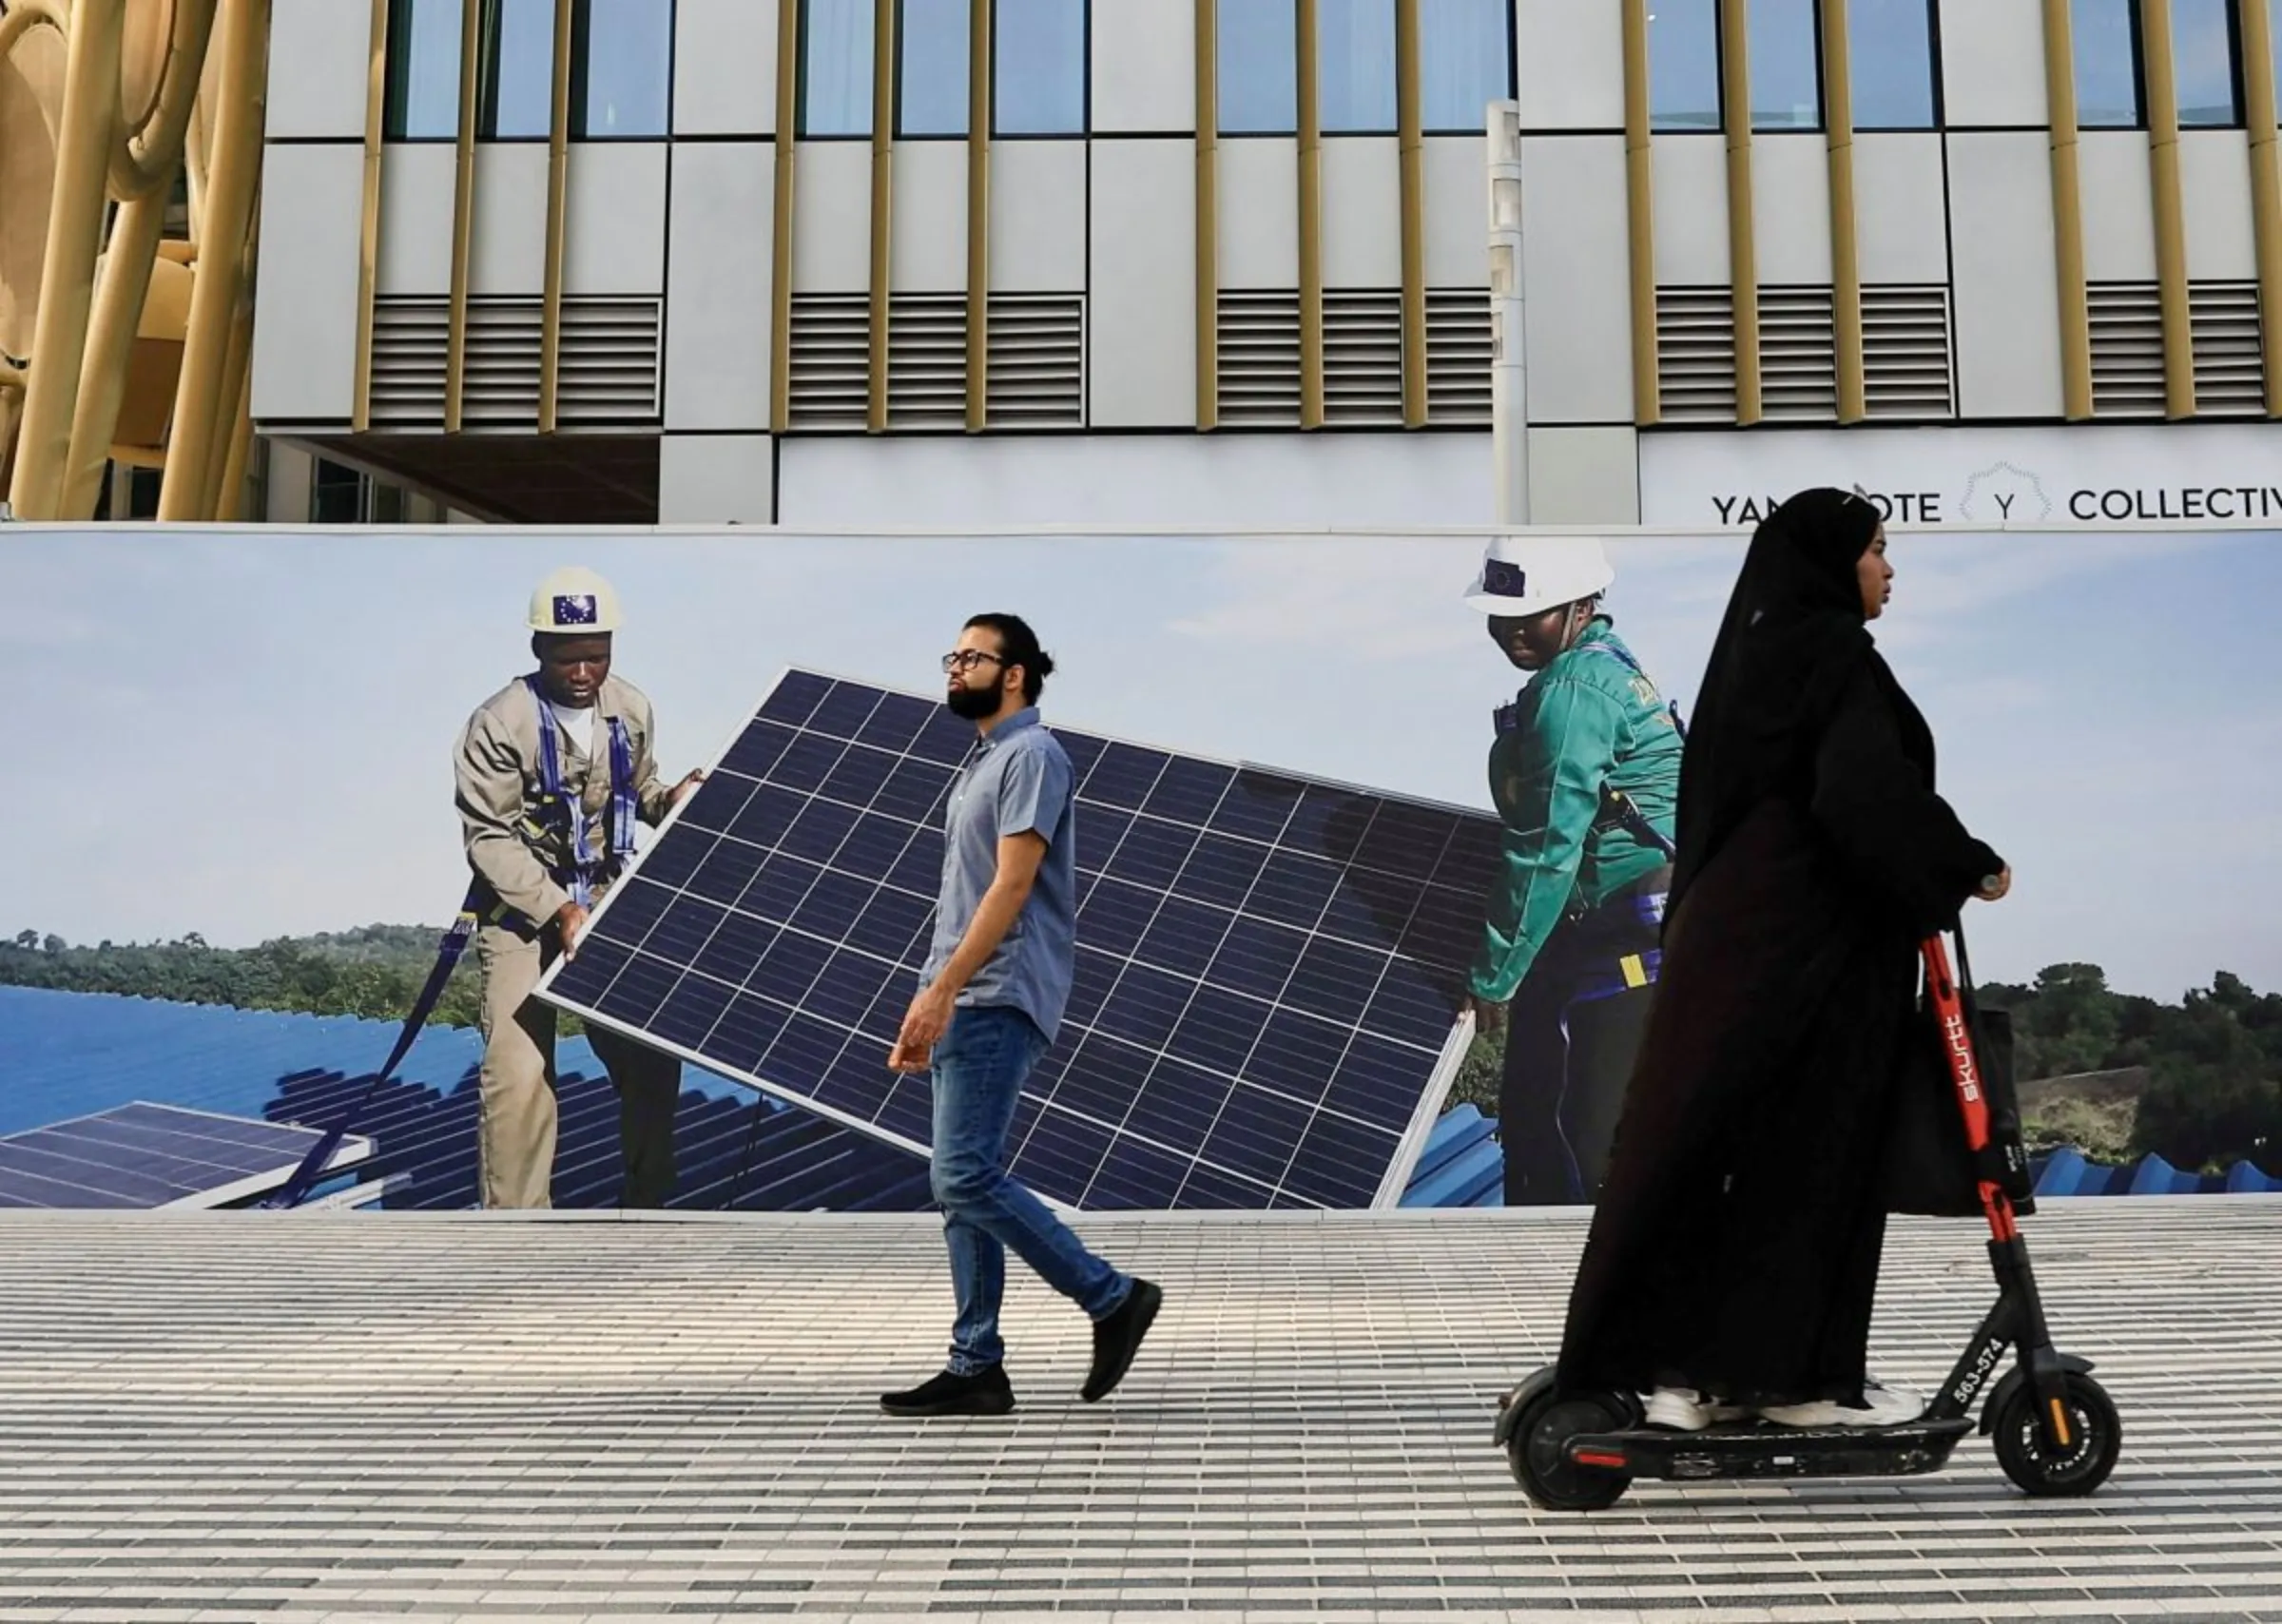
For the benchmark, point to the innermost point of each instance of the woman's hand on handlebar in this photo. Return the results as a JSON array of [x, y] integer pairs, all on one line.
[[1994, 888]]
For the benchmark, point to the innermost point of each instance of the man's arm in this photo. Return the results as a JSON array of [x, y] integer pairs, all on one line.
[[1018, 859], [489, 780]]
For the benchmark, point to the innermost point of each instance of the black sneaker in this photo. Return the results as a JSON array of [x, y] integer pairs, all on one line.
[[986, 1392], [1118, 1338]]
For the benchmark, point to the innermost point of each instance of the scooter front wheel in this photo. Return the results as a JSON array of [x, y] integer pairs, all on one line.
[[1539, 1450], [2095, 1435]]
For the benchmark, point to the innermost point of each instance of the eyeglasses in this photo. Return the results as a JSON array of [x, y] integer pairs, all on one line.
[[967, 659]]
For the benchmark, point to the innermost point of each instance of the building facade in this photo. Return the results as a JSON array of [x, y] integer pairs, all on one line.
[[949, 263]]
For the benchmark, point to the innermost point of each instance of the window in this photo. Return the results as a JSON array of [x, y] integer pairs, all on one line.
[[1683, 65], [1465, 62], [622, 54], [1259, 81], [1355, 66], [423, 70], [835, 67], [1889, 45], [1038, 79], [517, 100], [1785, 59], [931, 66], [2204, 53], [2107, 64]]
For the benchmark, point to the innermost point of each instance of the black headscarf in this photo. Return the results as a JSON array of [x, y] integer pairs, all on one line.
[[1793, 637]]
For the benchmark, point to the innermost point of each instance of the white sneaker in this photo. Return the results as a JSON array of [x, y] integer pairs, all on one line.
[[1677, 1409], [1886, 1406]]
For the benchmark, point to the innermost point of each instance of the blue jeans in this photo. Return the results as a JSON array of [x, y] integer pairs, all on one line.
[[980, 1067]]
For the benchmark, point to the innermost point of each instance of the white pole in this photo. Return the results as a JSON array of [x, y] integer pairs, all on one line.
[[1509, 373]]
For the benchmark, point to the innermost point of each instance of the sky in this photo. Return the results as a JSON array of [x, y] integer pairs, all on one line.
[[250, 734]]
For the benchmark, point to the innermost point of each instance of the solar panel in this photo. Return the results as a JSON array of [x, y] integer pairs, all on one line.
[[1270, 968], [143, 1156]]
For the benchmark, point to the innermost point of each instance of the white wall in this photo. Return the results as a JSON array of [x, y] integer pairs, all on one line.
[[1039, 215], [2215, 185], [416, 218], [1259, 198], [1362, 212], [2118, 205], [1144, 66], [614, 216], [319, 68], [711, 479], [304, 360], [928, 247], [1458, 210], [1993, 62], [724, 67], [1141, 308], [832, 217], [1570, 68], [1575, 259], [1691, 196], [1400, 481], [1791, 209], [1584, 476], [2007, 296], [509, 253], [718, 302], [1900, 209]]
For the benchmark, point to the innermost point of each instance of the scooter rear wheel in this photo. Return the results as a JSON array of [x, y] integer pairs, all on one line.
[[1539, 1450], [2097, 1436]]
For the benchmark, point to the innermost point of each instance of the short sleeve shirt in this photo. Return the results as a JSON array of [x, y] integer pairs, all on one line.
[[1018, 780]]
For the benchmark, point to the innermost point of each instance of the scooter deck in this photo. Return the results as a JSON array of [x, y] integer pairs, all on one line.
[[1761, 1449]]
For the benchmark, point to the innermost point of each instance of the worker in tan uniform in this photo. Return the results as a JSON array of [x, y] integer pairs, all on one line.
[[554, 770]]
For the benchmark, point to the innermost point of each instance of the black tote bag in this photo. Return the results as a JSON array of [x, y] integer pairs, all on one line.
[[1927, 1170]]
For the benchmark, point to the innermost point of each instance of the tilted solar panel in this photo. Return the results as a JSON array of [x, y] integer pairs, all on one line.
[[1269, 967], [141, 1155]]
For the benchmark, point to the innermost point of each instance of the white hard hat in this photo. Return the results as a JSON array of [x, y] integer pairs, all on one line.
[[573, 601], [1529, 574]]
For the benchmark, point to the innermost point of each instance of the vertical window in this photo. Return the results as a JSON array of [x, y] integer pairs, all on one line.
[[1465, 62], [1683, 65], [2205, 53], [423, 70], [518, 52], [835, 67], [622, 58], [1258, 77], [1785, 59], [1889, 45], [1355, 66], [335, 495], [1038, 79], [931, 68], [2107, 64]]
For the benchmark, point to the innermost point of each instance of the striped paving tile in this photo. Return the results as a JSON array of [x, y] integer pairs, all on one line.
[[289, 1417]]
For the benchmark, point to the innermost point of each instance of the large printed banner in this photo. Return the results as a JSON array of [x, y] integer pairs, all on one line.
[[242, 736]]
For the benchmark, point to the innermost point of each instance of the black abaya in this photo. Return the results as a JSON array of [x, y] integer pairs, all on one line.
[[1735, 1244]]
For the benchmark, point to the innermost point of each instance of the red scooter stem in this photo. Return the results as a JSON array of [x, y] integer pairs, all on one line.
[[1964, 1069]]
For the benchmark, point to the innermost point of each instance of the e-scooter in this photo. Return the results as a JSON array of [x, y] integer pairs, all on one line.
[[2055, 1430]]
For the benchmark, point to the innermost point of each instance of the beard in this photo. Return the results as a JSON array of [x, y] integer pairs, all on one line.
[[972, 705]]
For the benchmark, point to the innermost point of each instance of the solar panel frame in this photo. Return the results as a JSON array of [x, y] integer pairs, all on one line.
[[915, 871], [156, 1149]]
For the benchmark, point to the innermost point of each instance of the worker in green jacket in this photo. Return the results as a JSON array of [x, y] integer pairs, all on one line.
[[1585, 773]]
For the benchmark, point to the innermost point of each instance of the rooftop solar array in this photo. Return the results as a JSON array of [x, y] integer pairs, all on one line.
[[1269, 967], [156, 1155]]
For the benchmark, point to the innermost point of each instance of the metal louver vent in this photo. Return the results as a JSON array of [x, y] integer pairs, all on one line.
[[831, 360], [2230, 354], [1457, 356], [1259, 373], [1906, 352], [1798, 355], [1362, 356], [606, 368], [1037, 352], [1695, 355], [927, 360], [2127, 350]]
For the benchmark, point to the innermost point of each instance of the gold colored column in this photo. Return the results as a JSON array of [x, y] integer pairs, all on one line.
[[463, 212], [236, 379], [145, 161], [2067, 213], [368, 230], [89, 128], [558, 187], [1411, 140], [1311, 223], [979, 213], [1743, 251], [1208, 214], [1846, 253], [127, 267], [883, 199], [1640, 214], [2171, 221], [2258, 67], [229, 498], [780, 287], [198, 405]]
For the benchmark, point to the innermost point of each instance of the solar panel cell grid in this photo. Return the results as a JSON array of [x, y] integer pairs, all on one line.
[[1269, 970]]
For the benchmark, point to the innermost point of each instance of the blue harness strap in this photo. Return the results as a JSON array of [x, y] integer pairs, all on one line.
[[567, 812], [471, 912]]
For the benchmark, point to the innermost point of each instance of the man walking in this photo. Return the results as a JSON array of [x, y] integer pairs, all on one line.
[[552, 770], [994, 984]]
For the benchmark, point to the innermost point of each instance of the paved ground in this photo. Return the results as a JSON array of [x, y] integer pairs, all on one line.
[[289, 1417]]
